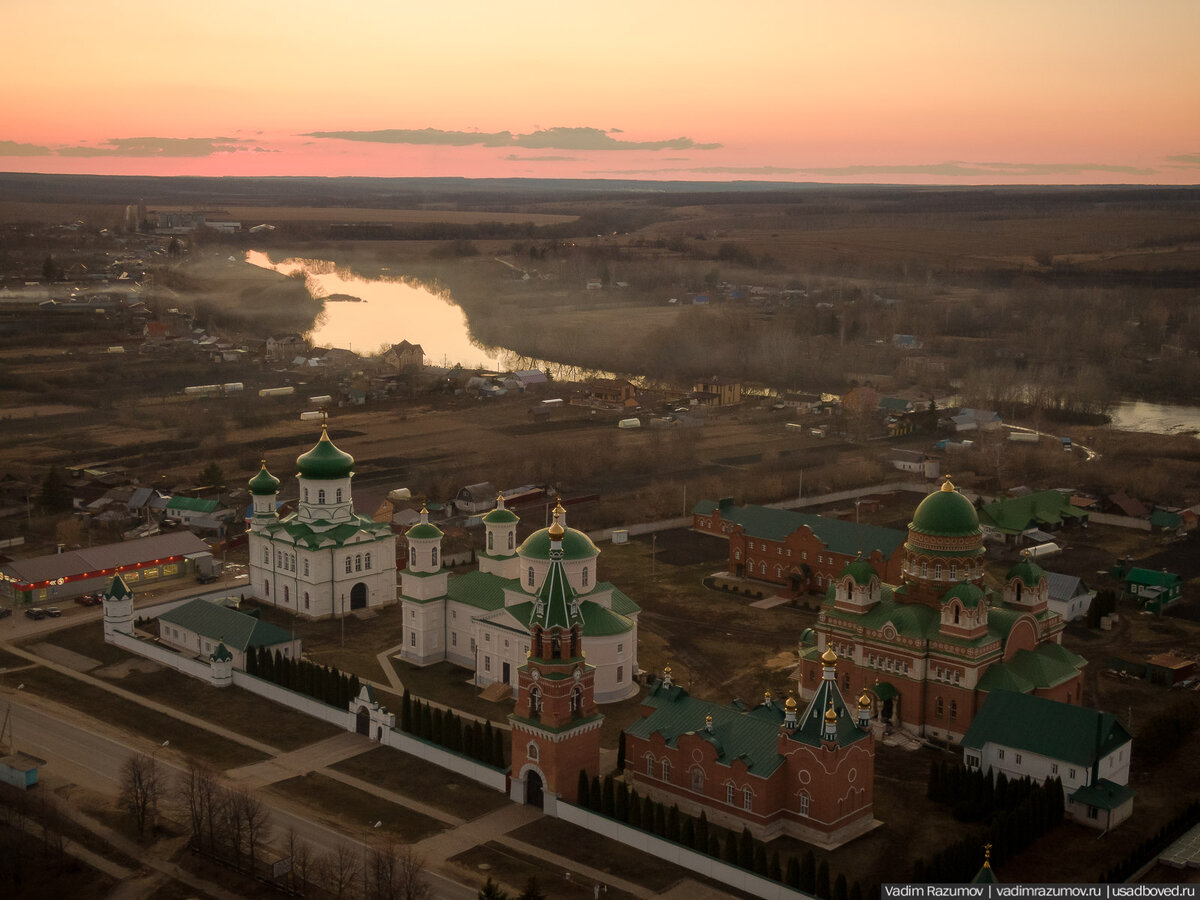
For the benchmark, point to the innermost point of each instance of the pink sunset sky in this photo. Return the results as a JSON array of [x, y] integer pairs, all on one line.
[[918, 92]]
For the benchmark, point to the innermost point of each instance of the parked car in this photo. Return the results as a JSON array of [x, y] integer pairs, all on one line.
[[34, 613], [52, 611], [5, 612], [88, 600]]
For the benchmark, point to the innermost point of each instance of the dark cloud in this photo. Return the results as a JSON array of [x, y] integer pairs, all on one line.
[[542, 139], [156, 147], [1185, 160], [15, 148], [512, 157]]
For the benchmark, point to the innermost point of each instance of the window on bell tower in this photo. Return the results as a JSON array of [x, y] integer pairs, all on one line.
[[321, 496]]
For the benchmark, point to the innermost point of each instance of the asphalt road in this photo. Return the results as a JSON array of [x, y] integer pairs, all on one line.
[[95, 760]]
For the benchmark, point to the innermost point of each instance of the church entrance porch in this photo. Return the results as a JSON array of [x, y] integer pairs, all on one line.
[[358, 596], [362, 721]]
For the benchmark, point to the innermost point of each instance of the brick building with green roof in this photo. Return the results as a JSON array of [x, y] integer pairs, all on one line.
[[799, 551], [481, 620], [929, 647], [324, 560], [770, 768]]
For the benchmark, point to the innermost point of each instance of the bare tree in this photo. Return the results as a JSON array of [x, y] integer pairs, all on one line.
[[140, 790], [194, 788], [256, 820], [414, 882], [300, 854], [339, 869], [382, 865]]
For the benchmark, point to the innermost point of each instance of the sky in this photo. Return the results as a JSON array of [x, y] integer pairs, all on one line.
[[917, 92]]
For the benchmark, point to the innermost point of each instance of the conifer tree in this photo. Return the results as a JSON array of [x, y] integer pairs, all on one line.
[[594, 800], [702, 833], [808, 873], [621, 753], [687, 832], [731, 849], [774, 868], [673, 831], [633, 815], [791, 875], [823, 886], [840, 890], [746, 850], [760, 858], [581, 788], [608, 796]]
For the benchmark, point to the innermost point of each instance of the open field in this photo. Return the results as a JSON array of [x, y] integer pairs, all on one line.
[[272, 214], [334, 800]]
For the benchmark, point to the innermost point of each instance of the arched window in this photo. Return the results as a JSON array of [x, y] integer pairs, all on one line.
[[266, 556], [306, 495], [650, 764], [531, 751], [762, 568], [490, 544], [510, 540], [321, 495], [347, 565], [747, 798], [666, 770], [737, 554], [286, 594], [339, 495], [358, 562], [529, 580], [956, 612], [698, 780], [939, 707], [954, 709], [953, 572], [306, 567], [937, 572], [924, 569], [433, 557], [585, 576], [412, 556], [306, 599], [367, 561], [266, 589], [779, 571], [804, 804], [293, 562], [729, 793]]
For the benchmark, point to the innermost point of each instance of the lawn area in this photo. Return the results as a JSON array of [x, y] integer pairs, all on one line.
[[423, 781], [215, 751], [232, 708], [349, 805], [512, 868], [88, 640], [11, 660]]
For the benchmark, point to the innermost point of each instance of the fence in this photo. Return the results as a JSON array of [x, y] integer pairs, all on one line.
[[162, 655], [289, 698], [669, 851]]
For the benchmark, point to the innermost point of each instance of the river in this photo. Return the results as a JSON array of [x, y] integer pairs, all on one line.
[[391, 310], [1159, 418]]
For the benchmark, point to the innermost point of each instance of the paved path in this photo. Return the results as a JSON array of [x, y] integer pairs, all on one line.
[[301, 762]]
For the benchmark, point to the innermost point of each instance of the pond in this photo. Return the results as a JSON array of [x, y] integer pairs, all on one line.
[[1159, 418]]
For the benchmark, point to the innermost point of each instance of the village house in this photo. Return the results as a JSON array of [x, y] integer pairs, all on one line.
[[612, 392], [717, 391], [1014, 518], [405, 357]]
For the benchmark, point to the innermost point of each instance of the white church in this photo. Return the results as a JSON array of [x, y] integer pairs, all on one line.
[[480, 620], [323, 560]]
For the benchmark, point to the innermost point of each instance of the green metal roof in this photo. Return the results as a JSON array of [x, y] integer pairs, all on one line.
[[264, 482], [1038, 668], [424, 531], [325, 461], [1104, 794], [985, 875], [861, 571], [575, 545], [1028, 571], [621, 603], [221, 654], [969, 595], [482, 590], [771, 524], [304, 532], [501, 517], [1060, 731], [556, 606], [598, 621], [225, 625], [1150, 577], [1016, 514], [945, 513], [1168, 521], [736, 733], [193, 504], [118, 590], [812, 720]]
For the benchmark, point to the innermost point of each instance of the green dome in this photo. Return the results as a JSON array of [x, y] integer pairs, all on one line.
[[861, 571], [264, 482], [967, 594], [1028, 571], [423, 530], [325, 461], [946, 513], [501, 517], [575, 544]]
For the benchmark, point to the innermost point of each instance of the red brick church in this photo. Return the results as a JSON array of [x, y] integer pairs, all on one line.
[[771, 768], [927, 650]]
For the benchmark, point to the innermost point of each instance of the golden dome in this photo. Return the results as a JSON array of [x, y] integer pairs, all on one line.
[[556, 531], [790, 703], [829, 657], [864, 700], [830, 715]]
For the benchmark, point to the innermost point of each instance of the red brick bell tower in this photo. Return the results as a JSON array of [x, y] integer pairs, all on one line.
[[555, 725]]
